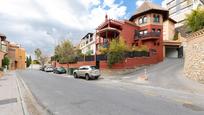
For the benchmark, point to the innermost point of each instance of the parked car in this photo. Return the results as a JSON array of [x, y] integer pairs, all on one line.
[[48, 69], [42, 68], [59, 70], [88, 72]]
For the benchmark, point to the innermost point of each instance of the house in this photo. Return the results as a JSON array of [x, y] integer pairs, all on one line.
[[3, 47], [145, 27], [149, 26], [179, 8], [17, 56], [87, 44]]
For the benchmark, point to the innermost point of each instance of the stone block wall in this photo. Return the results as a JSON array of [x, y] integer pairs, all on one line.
[[194, 56]]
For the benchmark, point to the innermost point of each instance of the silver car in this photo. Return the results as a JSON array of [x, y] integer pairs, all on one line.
[[88, 72]]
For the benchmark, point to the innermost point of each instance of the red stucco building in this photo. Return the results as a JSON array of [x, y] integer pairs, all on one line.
[[145, 27]]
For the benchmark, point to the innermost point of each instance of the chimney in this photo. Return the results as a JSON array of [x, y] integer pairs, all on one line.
[[106, 17]]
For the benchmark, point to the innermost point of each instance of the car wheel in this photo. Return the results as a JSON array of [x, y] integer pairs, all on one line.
[[75, 75], [87, 76], [96, 77]]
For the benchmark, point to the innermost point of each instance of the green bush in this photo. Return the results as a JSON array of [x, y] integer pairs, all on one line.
[[195, 20], [5, 62], [116, 51]]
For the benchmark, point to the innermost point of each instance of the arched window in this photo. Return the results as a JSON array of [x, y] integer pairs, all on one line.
[[145, 19], [140, 21], [156, 18]]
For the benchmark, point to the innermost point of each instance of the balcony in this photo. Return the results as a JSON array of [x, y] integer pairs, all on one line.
[[149, 35]]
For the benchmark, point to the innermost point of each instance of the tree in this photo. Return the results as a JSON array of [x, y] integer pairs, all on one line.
[[5, 62], [195, 20], [38, 53], [116, 51], [28, 61], [65, 52], [40, 57]]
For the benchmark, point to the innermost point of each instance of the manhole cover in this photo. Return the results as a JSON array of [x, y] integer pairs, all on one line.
[[7, 101], [193, 107]]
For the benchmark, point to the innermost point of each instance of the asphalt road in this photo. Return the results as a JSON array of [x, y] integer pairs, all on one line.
[[69, 96]]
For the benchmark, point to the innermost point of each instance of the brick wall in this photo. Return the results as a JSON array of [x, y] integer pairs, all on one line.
[[194, 56]]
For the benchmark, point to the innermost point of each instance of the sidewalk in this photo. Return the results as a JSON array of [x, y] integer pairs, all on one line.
[[10, 101]]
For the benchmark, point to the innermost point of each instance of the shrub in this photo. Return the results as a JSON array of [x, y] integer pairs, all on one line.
[[116, 51], [195, 20], [5, 62]]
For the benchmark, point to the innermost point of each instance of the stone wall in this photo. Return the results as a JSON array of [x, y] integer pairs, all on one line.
[[194, 56]]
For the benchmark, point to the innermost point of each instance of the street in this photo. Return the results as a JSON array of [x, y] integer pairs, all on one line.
[[69, 96]]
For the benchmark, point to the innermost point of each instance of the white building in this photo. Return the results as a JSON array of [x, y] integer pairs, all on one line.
[[179, 8], [87, 44]]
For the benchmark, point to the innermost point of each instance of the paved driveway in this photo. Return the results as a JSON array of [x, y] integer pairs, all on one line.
[[167, 74]]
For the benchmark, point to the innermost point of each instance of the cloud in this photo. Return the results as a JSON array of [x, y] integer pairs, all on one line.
[[42, 24], [140, 2]]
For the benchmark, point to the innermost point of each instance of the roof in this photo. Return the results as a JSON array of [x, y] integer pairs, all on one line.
[[2, 35], [172, 20], [87, 35], [148, 6]]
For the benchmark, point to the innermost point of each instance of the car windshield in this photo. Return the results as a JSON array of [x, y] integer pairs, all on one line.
[[93, 67], [61, 68]]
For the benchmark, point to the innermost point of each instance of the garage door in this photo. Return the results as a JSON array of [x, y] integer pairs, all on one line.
[[171, 52]]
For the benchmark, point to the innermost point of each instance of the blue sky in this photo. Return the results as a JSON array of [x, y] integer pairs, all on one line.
[[43, 24]]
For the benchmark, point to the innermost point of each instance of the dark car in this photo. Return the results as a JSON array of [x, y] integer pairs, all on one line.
[[42, 68], [59, 70]]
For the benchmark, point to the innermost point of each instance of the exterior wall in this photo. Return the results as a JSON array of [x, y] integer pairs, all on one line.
[[128, 33], [194, 56], [168, 30], [76, 65], [20, 57], [17, 57], [1, 57], [86, 44], [130, 63]]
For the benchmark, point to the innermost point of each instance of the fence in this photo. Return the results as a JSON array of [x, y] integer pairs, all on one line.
[[104, 57]]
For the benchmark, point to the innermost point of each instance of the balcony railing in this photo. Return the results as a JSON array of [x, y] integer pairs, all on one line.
[[148, 35]]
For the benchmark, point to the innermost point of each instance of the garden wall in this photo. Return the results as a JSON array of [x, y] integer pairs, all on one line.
[[194, 56], [130, 63]]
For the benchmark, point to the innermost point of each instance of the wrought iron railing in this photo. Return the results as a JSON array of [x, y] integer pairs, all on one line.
[[147, 35]]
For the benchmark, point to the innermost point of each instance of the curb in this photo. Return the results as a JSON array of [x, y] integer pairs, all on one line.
[[42, 108], [23, 105]]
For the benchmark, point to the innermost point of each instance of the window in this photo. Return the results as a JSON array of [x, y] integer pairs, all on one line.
[[140, 21], [159, 30], [156, 18], [141, 32], [153, 30], [145, 19], [145, 32]]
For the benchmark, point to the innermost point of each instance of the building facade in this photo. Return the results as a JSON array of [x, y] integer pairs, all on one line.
[[87, 44], [145, 27], [17, 56], [178, 9], [3, 47]]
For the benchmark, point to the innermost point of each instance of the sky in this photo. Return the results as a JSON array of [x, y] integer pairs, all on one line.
[[44, 23]]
